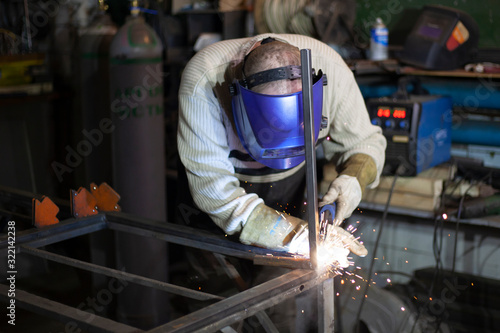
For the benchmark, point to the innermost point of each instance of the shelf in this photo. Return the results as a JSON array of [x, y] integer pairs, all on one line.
[[453, 73], [392, 66]]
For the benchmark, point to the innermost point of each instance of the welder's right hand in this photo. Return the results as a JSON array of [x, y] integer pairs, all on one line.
[[268, 228]]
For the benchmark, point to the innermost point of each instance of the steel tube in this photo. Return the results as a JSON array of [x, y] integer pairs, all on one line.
[[173, 289], [75, 319], [183, 235], [58, 232], [245, 304], [310, 151], [325, 292]]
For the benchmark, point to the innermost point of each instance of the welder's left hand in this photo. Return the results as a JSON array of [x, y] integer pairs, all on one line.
[[337, 236], [347, 189], [346, 192]]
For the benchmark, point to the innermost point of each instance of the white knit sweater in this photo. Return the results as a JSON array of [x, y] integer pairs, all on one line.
[[209, 146]]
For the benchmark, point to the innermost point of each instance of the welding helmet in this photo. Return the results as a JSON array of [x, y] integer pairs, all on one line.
[[271, 127]]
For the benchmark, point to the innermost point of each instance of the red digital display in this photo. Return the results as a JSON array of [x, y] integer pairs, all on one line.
[[399, 113], [385, 112]]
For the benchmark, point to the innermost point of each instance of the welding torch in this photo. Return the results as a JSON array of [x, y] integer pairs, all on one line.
[[326, 216]]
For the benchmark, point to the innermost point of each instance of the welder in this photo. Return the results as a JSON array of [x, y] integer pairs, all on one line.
[[240, 137]]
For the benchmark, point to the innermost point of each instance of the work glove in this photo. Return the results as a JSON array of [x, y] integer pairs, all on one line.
[[346, 192], [347, 189], [271, 229]]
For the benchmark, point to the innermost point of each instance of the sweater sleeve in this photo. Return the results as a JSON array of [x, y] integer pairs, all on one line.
[[351, 131], [203, 148]]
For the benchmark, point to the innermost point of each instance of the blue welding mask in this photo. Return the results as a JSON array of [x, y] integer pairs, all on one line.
[[271, 127]]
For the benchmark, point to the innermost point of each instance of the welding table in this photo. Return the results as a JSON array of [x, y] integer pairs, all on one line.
[[218, 315]]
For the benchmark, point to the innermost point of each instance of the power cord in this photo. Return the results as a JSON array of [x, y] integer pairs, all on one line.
[[399, 170]]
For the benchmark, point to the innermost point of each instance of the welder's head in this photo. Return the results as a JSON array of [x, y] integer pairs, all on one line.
[[268, 107]]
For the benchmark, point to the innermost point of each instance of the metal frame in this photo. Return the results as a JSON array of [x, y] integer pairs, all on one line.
[[326, 308], [220, 314]]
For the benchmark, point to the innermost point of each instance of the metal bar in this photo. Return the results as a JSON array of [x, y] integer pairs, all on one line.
[[179, 234], [58, 232], [23, 199], [75, 319], [193, 294], [302, 263], [325, 292], [310, 151], [245, 304], [232, 273], [326, 302]]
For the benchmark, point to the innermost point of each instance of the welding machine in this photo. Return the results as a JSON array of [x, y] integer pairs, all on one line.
[[417, 129]]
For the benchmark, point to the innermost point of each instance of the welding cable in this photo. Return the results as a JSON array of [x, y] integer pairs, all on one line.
[[437, 243], [459, 215], [377, 241], [457, 223], [439, 266]]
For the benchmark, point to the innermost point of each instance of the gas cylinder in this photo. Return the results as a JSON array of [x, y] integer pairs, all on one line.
[[94, 44], [136, 90]]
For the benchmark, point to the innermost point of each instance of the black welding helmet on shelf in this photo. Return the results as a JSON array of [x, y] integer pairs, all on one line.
[[442, 38]]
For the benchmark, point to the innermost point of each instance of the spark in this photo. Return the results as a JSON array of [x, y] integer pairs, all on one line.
[[389, 280], [403, 308], [445, 216], [358, 287], [337, 294]]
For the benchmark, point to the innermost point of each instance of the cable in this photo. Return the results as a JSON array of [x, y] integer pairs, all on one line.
[[459, 216], [370, 270], [437, 243]]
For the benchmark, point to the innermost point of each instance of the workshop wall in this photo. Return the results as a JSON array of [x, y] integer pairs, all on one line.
[[486, 13]]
